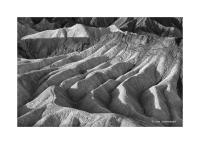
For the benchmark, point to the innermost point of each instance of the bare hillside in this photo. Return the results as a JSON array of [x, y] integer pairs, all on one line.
[[114, 72]]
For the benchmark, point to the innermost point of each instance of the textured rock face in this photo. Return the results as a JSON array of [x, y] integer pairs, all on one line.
[[121, 79], [61, 41], [170, 27]]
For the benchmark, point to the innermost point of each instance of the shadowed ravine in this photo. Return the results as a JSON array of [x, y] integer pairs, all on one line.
[[119, 79]]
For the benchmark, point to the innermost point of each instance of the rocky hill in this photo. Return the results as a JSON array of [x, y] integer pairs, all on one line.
[[99, 72]]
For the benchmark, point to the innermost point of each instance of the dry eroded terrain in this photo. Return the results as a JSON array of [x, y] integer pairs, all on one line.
[[119, 79]]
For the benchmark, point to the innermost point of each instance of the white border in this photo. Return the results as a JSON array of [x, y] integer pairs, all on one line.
[[10, 10]]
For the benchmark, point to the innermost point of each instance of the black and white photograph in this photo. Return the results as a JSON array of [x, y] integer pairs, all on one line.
[[99, 72]]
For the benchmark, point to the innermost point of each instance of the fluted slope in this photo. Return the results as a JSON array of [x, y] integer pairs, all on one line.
[[124, 79]]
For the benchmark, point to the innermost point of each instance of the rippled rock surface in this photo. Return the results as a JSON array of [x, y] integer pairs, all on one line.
[[119, 79]]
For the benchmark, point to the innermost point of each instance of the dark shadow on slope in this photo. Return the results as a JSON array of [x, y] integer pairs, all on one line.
[[41, 48]]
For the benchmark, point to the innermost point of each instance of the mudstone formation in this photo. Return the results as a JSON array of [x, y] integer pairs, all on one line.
[[115, 72]]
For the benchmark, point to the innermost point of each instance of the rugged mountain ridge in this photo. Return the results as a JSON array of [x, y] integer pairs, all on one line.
[[60, 41], [122, 79]]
